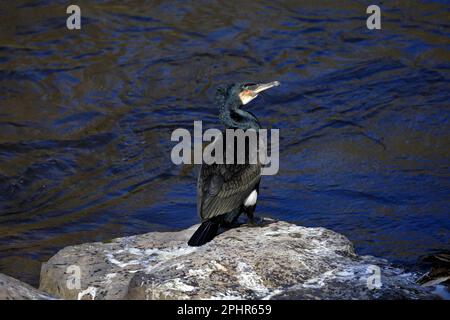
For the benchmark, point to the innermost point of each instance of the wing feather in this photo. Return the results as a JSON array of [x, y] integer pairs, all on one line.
[[222, 188]]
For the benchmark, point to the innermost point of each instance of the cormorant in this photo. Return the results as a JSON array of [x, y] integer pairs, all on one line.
[[224, 191]]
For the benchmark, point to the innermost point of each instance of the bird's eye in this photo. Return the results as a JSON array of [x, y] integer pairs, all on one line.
[[246, 85]]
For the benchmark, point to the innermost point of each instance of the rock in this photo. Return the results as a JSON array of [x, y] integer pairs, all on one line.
[[277, 260], [13, 289], [438, 277], [440, 269]]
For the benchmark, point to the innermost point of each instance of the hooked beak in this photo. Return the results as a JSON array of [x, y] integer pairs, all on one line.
[[252, 91], [257, 88]]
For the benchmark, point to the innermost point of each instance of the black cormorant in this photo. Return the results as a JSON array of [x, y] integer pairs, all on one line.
[[224, 191]]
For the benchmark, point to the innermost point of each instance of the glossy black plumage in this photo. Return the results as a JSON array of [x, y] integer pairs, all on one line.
[[222, 189]]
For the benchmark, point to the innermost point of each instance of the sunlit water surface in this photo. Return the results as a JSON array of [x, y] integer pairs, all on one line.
[[86, 118]]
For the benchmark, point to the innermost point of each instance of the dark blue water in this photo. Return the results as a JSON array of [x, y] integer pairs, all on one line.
[[86, 118]]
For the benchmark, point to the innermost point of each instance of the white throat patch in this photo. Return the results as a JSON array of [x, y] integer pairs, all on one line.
[[246, 98]]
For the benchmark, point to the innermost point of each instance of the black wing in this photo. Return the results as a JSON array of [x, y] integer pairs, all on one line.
[[222, 188]]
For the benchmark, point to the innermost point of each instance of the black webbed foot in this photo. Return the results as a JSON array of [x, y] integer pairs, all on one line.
[[255, 222]]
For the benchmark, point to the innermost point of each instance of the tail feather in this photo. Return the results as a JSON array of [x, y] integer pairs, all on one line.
[[205, 233]]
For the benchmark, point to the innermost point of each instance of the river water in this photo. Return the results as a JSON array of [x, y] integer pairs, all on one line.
[[86, 117]]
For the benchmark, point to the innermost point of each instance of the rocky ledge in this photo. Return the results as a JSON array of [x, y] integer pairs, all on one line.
[[13, 289], [276, 260]]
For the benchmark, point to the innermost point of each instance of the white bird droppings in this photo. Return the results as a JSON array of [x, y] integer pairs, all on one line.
[[92, 291]]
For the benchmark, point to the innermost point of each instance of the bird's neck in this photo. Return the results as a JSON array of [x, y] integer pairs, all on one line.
[[233, 117]]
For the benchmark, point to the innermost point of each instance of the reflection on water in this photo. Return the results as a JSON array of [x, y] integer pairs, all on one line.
[[86, 117]]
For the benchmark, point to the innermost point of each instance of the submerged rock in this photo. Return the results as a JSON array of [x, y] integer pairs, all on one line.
[[275, 261], [438, 277], [13, 289], [440, 269]]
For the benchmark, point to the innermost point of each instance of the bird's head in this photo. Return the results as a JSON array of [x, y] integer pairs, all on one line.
[[244, 92], [249, 91]]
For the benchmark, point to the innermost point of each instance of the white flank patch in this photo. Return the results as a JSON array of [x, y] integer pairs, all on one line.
[[251, 199]]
